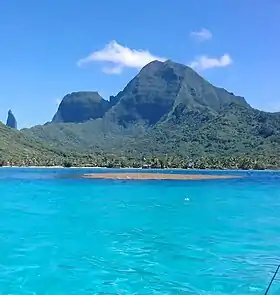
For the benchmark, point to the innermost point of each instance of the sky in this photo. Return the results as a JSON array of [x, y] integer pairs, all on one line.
[[49, 48]]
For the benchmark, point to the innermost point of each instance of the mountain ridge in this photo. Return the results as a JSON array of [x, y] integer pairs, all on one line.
[[80, 106], [168, 108], [171, 78]]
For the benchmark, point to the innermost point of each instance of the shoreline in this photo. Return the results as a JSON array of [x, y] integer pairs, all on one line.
[[140, 168], [53, 167], [155, 176]]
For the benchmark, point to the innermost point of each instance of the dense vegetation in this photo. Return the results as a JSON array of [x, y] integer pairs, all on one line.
[[167, 116], [18, 149]]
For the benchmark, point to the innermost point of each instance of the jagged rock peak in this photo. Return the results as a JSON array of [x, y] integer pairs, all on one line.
[[11, 120]]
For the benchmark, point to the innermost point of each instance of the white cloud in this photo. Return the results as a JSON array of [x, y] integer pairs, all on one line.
[[120, 57], [202, 35], [204, 62]]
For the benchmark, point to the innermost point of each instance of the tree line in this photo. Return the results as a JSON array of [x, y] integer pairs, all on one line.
[[154, 162]]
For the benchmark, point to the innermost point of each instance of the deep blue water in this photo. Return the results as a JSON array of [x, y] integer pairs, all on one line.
[[65, 235]]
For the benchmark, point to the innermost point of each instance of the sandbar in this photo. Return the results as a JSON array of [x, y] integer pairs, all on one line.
[[155, 176]]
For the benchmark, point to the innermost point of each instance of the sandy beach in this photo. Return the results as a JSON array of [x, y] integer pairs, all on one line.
[[155, 176]]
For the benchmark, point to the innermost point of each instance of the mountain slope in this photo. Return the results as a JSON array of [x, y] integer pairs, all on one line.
[[169, 108], [194, 133], [19, 148]]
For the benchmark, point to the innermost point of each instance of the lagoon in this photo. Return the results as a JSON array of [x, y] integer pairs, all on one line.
[[61, 234]]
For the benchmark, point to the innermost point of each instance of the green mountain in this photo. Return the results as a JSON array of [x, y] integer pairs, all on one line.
[[163, 87], [166, 109], [79, 107], [16, 147]]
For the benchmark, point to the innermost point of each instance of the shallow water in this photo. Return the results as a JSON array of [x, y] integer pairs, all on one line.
[[65, 235]]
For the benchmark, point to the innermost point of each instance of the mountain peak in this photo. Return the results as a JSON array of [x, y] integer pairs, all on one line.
[[171, 62], [11, 120], [157, 90], [152, 96], [80, 106]]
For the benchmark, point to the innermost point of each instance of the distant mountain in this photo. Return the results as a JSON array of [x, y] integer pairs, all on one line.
[[79, 107], [11, 120], [164, 87], [166, 108]]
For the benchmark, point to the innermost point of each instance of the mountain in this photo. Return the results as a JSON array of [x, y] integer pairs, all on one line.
[[11, 120], [161, 87], [167, 109], [79, 107], [15, 147]]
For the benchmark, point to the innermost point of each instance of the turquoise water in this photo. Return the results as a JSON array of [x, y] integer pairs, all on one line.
[[61, 235]]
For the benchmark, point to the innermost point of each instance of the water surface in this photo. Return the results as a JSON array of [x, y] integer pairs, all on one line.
[[61, 235]]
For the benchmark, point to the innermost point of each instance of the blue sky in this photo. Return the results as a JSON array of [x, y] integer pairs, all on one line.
[[50, 48]]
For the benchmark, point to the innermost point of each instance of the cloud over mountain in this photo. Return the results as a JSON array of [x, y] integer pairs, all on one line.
[[119, 57], [205, 62]]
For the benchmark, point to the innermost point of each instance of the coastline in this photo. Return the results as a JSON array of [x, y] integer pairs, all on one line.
[[140, 168], [54, 167]]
